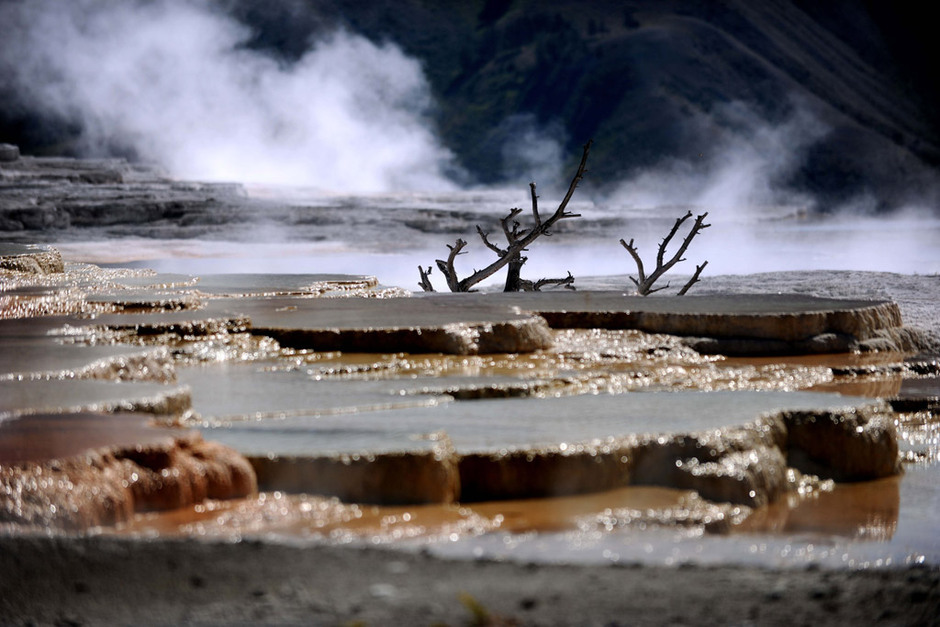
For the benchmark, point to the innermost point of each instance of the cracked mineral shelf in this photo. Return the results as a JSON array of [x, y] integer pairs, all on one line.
[[390, 324], [245, 285], [54, 396], [236, 393], [728, 446], [498, 322], [725, 324]]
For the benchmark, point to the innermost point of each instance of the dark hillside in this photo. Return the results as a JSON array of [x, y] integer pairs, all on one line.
[[652, 82]]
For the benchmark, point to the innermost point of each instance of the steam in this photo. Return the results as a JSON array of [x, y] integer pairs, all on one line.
[[173, 81], [531, 152], [746, 170]]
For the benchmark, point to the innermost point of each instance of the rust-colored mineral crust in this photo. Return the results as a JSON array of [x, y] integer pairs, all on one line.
[[429, 476], [115, 466], [851, 445], [545, 472]]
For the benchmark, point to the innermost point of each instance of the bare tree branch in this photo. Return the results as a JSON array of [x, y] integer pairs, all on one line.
[[425, 282], [517, 239], [496, 249], [644, 283], [567, 283], [447, 267], [535, 205], [636, 258], [694, 279]]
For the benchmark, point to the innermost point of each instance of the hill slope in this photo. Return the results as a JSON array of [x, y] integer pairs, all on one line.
[[838, 92]]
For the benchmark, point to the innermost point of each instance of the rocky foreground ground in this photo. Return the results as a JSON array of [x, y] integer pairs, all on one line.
[[82, 580]]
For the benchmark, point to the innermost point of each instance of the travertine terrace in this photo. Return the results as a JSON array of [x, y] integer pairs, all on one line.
[[278, 369]]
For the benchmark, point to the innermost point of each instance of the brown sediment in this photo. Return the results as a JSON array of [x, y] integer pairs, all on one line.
[[428, 476], [301, 515], [72, 472], [846, 446], [866, 510]]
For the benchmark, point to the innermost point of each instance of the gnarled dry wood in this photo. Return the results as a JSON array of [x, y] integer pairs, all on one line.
[[425, 282], [644, 283], [517, 238], [530, 286], [694, 279]]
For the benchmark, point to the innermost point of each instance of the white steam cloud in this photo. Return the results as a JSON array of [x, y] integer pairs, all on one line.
[[743, 174], [532, 152], [173, 80]]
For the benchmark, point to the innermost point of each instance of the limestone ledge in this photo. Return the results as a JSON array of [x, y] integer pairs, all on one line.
[[30, 259], [293, 312], [747, 465]]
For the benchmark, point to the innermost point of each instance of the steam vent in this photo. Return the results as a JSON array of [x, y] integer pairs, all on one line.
[[125, 391]]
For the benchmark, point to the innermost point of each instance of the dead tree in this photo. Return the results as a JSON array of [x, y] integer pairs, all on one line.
[[644, 284], [517, 241]]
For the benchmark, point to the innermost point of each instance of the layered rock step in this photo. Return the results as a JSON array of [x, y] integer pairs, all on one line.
[[734, 447], [30, 258], [732, 324]]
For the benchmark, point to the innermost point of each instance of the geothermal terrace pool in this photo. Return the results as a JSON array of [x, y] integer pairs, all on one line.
[[555, 427]]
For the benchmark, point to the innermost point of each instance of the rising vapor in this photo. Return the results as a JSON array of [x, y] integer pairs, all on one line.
[[173, 82], [745, 173]]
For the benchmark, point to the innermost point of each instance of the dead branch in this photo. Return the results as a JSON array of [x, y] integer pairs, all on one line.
[[425, 282], [535, 204], [644, 283], [694, 279], [529, 286], [517, 239], [447, 267]]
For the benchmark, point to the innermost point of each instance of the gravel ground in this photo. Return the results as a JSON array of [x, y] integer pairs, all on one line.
[[101, 580]]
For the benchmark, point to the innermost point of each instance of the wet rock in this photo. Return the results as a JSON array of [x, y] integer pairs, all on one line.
[[730, 446], [733, 324], [544, 472], [9, 152], [824, 343], [899, 339], [58, 396], [846, 445], [74, 471], [745, 465], [918, 395], [49, 359], [261, 285], [183, 324], [30, 259], [429, 476], [412, 325]]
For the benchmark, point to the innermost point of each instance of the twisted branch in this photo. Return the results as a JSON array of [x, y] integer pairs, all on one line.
[[425, 282], [517, 239], [644, 283]]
